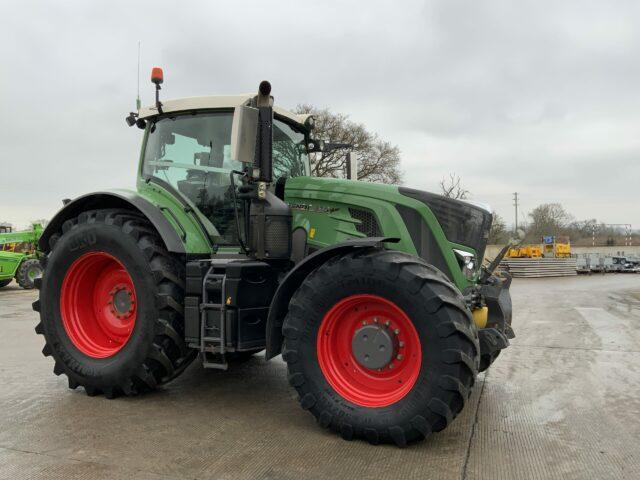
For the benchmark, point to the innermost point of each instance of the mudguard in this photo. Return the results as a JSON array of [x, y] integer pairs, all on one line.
[[115, 199], [295, 277]]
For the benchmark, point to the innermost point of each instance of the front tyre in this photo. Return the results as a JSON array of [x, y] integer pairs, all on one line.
[[27, 272], [380, 346], [111, 305]]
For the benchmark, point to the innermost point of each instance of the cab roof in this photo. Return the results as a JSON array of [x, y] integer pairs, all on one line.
[[214, 102]]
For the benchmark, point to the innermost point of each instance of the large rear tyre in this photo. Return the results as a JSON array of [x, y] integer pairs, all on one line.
[[27, 272], [380, 346], [111, 305]]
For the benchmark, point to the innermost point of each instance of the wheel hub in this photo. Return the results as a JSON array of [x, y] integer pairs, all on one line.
[[121, 301], [373, 346]]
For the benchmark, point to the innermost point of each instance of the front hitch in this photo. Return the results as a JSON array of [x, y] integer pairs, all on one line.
[[496, 295]]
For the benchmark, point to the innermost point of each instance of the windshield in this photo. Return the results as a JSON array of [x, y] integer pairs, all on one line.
[[192, 153]]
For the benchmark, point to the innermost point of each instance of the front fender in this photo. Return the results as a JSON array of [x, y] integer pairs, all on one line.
[[115, 199], [295, 277]]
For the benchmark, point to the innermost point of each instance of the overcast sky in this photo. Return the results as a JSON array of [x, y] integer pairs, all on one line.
[[537, 97]]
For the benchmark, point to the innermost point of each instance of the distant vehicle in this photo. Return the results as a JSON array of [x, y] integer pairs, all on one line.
[[583, 265], [19, 256], [622, 264]]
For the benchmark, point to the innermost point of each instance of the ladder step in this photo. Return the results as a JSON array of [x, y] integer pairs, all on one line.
[[218, 366], [212, 339]]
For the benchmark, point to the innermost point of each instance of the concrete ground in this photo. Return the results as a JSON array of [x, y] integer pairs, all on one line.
[[562, 402]]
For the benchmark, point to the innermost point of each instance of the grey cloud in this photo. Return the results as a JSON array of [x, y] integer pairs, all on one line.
[[536, 96]]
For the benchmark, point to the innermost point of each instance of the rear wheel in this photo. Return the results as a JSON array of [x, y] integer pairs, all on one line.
[[380, 346], [27, 272], [111, 305]]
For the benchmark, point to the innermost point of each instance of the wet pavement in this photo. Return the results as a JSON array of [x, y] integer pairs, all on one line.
[[562, 402]]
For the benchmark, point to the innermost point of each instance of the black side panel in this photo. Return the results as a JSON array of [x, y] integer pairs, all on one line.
[[119, 199], [250, 286], [461, 222], [423, 239], [295, 277]]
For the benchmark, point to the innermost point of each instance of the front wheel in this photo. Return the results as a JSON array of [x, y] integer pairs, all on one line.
[[28, 271], [380, 346], [4, 283]]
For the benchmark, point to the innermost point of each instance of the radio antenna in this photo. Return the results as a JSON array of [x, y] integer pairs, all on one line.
[[138, 104]]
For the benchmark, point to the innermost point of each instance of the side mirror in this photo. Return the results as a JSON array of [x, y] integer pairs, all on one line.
[[244, 132]]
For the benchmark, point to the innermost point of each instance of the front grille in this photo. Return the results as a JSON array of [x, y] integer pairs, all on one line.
[[423, 239], [461, 222], [368, 224]]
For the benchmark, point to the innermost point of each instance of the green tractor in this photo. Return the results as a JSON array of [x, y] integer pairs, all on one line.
[[374, 294], [19, 256]]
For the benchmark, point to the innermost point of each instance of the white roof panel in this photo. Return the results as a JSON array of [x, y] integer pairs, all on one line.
[[213, 102]]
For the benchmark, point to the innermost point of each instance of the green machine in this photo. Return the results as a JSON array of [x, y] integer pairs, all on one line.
[[19, 256], [374, 294]]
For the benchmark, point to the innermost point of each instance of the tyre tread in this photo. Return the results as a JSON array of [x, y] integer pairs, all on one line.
[[460, 357]]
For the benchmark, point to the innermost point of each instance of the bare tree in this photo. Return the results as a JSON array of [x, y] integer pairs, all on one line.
[[548, 219], [498, 233], [452, 187], [378, 160]]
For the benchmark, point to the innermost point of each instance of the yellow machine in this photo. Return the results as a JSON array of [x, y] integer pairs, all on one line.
[[525, 251], [556, 247], [563, 250]]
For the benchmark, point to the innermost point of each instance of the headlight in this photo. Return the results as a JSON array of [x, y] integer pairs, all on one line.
[[467, 262]]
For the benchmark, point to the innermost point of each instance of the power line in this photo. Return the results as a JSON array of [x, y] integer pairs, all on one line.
[[515, 204]]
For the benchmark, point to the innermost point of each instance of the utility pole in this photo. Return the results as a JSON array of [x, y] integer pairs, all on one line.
[[515, 204]]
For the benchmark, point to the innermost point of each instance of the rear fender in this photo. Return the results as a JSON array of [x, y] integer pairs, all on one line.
[[115, 199], [294, 278]]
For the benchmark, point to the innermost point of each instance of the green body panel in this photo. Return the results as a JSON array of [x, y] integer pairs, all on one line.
[[30, 236], [321, 207], [10, 262], [199, 233]]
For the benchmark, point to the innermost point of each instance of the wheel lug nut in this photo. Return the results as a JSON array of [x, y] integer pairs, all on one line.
[[391, 365], [399, 357], [375, 320], [396, 331], [364, 322], [387, 323], [401, 344]]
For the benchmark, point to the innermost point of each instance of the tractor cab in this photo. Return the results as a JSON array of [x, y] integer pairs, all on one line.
[[188, 148]]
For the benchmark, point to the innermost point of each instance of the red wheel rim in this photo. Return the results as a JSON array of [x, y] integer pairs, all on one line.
[[98, 304], [358, 384]]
